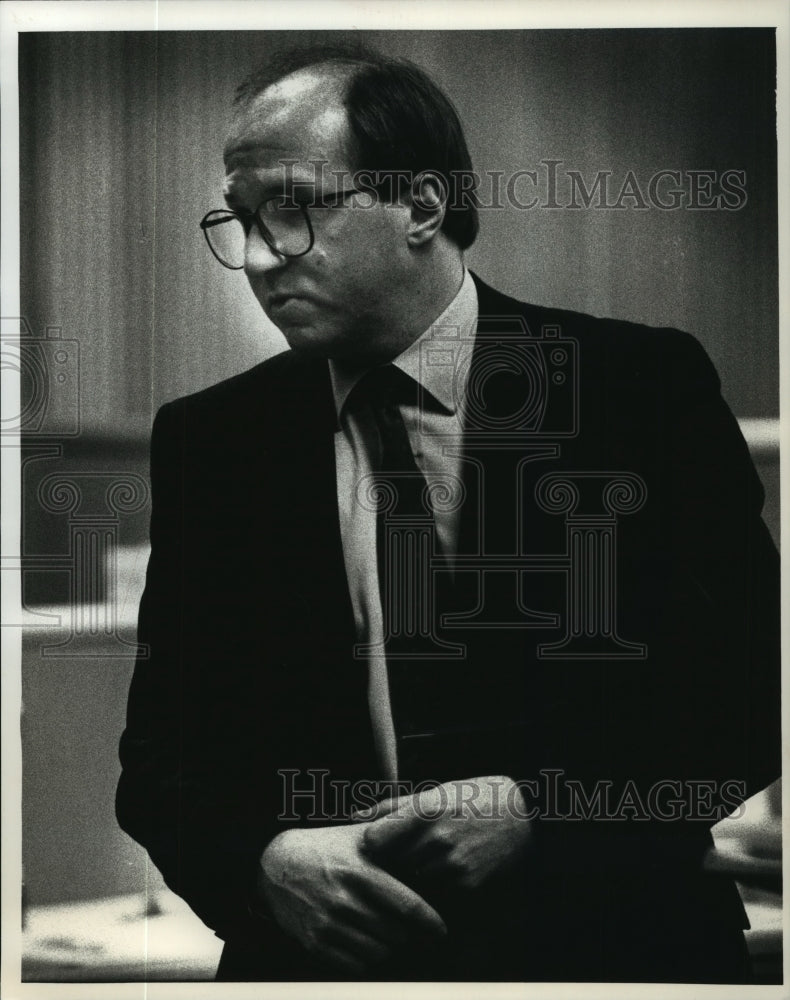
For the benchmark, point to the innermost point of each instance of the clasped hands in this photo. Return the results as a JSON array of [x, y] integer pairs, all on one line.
[[332, 888]]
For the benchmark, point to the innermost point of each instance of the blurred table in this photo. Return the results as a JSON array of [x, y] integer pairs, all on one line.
[[120, 939]]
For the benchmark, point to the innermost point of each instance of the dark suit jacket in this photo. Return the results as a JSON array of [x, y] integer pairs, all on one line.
[[249, 623]]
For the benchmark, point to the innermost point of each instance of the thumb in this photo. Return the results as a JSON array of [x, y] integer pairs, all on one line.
[[392, 830]]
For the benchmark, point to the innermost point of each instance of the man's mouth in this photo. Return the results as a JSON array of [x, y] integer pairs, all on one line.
[[282, 298], [291, 306]]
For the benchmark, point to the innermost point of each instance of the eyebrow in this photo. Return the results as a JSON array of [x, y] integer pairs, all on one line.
[[264, 193], [232, 201], [274, 188]]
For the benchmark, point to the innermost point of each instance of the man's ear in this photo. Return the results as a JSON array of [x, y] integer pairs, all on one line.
[[428, 205]]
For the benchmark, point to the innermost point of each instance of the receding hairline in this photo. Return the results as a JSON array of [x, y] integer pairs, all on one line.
[[340, 70], [341, 73]]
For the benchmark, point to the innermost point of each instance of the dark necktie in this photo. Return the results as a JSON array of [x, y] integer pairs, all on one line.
[[405, 527], [410, 583], [405, 543]]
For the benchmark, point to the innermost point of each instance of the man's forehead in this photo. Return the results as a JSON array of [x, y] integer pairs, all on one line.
[[300, 117]]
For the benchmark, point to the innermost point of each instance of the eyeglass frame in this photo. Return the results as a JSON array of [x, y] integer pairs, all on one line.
[[229, 214]]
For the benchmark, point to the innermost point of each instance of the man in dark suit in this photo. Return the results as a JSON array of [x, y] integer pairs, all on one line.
[[503, 560]]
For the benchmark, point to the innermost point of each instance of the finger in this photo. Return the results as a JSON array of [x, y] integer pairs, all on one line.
[[390, 896], [365, 947], [385, 926], [423, 867], [395, 833], [427, 853], [383, 808], [407, 858], [435, 868], [428, 804]]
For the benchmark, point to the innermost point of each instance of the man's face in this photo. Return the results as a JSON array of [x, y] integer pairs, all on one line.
[[340, 299]]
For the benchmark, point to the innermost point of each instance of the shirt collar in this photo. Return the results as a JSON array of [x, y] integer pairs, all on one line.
[[434, 359]]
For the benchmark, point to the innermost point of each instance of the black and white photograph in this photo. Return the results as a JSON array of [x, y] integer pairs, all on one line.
[[391, 498]]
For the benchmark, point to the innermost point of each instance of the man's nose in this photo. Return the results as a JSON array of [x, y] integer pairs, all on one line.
[[259, 256]]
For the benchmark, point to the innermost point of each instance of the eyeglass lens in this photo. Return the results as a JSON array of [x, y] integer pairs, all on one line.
[[285, 229]]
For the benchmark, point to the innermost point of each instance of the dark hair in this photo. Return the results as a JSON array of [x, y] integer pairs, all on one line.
[[400, 121]]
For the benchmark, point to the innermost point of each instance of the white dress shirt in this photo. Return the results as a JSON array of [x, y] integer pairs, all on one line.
[[439, 362]]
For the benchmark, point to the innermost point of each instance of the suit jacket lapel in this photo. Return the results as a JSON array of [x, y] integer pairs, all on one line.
[[489, 457], [308, 518]]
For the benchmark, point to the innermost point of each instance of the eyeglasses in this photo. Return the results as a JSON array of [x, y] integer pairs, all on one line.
[[283, 223]]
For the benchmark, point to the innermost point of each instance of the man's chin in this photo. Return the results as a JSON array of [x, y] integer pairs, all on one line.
[[309, 341], [312, 341]]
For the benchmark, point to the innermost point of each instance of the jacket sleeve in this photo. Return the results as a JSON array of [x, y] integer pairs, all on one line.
[[719, 539], [179, 796], [702, 713]]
